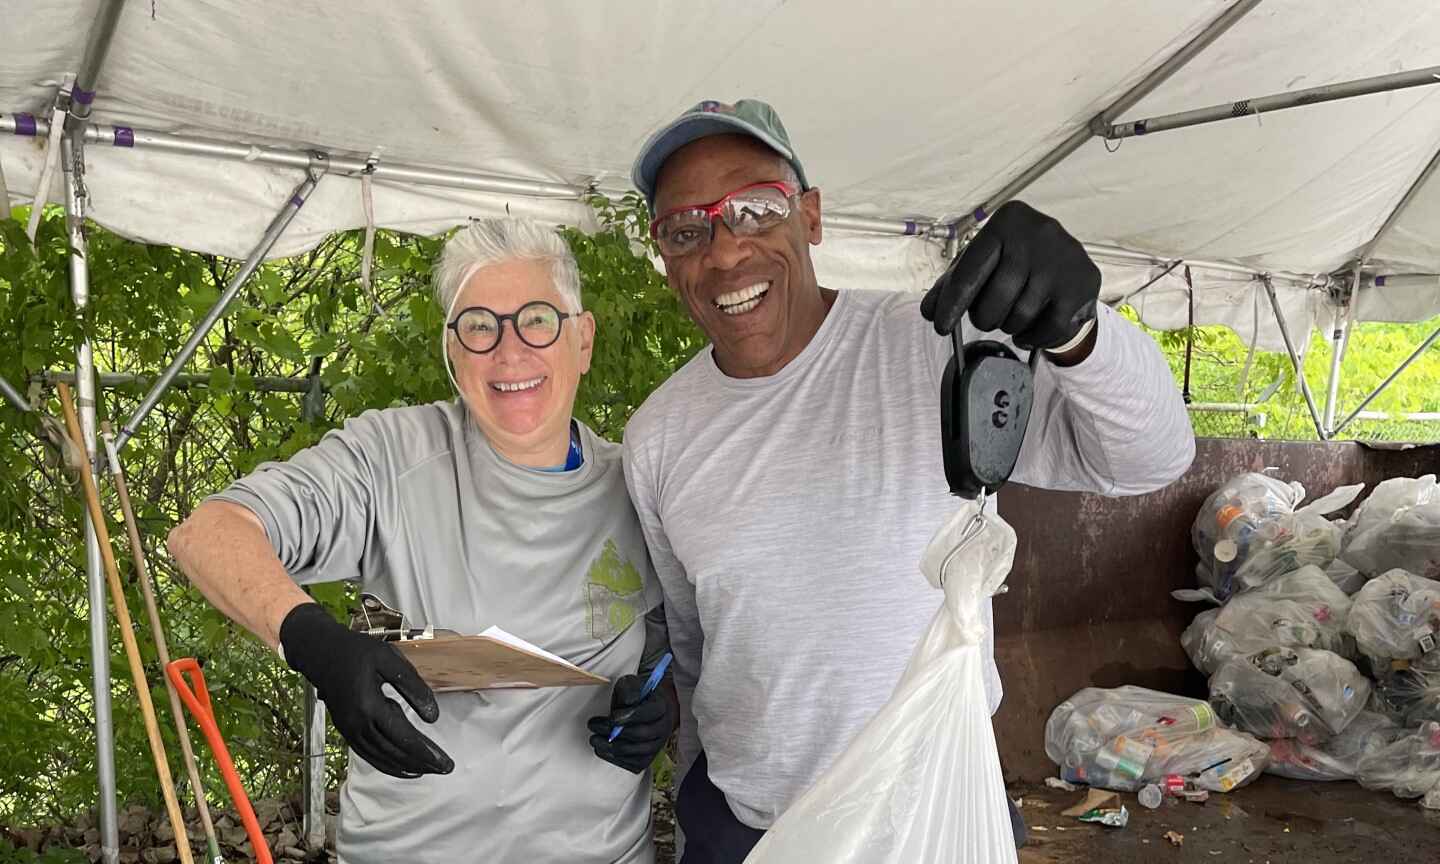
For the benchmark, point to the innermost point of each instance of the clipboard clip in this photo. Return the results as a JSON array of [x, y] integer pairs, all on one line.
[[384, 622]]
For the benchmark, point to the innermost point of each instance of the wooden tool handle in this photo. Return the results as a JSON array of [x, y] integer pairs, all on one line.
[[127, 633], [162, 649]]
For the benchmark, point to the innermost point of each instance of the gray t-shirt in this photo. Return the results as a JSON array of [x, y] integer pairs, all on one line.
[[786, 516], [416, 506]]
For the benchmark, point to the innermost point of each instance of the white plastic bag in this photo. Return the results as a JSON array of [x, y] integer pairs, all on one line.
[[1396, 616], [1126, 737], [921, 782], [1410, 767], [1304, 609], [1336, 759], [1289, 693], [1398, 526], [1251, 530]]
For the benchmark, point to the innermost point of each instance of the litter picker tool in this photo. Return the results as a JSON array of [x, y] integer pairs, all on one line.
[[162, 649], [197, 698], [127, 633]]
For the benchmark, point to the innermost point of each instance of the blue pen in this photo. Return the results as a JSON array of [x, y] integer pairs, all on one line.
[[650, 684]]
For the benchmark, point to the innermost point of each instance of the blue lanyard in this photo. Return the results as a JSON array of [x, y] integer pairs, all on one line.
[[576, 457]]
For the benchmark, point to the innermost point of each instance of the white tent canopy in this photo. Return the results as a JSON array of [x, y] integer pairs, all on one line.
[[917, 110]]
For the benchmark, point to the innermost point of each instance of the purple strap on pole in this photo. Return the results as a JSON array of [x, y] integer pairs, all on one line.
[[297, 201], [124, 136], [911, 228], [1140, 127], [1379, 281], [84, 97], [952, 231], [24, 124], [980, 214]]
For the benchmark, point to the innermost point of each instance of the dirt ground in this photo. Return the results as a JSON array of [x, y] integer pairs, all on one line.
[[1271, 821]]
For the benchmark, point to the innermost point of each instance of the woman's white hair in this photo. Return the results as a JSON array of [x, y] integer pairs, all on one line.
[[495, 241]]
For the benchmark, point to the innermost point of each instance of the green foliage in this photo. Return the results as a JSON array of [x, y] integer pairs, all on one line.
[[54, 855], [1376, 349], [378, 348]]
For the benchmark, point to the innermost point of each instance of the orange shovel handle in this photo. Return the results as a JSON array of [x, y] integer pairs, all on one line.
[[197, 700]]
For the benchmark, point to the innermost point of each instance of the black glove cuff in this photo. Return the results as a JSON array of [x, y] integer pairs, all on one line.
[[305, 627]]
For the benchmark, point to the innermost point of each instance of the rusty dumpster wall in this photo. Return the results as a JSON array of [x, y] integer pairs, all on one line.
[[1089, 601]]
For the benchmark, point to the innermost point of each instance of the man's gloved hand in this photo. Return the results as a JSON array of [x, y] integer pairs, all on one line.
[[347, 669], [648, 723], [1022, 275]]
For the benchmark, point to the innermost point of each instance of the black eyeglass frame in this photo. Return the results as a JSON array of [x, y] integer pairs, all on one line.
[[514, 319]]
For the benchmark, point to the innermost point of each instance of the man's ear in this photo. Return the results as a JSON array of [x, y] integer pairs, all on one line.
[[810, 208]]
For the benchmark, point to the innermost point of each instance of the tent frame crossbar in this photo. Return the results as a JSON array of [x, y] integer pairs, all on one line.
[[1295, 360], [1424, 346], [1275, 102], [183, 381], [12, 396], [1341, 334], [128, 137], [1100, 122], [267, 240]]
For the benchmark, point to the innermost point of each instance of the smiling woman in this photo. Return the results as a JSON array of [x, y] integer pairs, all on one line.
[[520, 390], [497, 509]]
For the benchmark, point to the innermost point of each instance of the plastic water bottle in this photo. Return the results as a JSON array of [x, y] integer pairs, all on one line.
[[1151, 796]]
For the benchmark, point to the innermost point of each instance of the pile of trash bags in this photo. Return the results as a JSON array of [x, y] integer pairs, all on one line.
[[1321, 650], [1327, 645]]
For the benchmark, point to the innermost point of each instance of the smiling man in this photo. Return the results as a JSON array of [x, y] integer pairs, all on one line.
[[789, 477], [496, 509]]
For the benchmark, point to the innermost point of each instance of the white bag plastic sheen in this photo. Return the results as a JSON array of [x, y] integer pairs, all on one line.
[[921, 782]]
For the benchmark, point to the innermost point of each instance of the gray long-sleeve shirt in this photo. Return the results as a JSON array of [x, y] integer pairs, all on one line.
[[415, 505], [786, 516]]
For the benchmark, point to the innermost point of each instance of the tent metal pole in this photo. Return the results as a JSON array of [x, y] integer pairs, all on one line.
[[124, 136], [1255, 408], [252, 261], [1337, 346], [1424, 346], [1295, 360], [13, 396], [97, 45], [73, 162], [1100, 122], [113, 380], [4, 194], [1360, 262], [1151, 281], [1275, 102], [313, 774], [1418, 281], [1341, 346], [1400, 208]]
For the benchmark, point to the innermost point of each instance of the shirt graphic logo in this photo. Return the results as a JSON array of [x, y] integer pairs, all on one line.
[[613, 591]]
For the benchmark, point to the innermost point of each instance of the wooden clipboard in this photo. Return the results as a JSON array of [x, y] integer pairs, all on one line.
[[451, 664]]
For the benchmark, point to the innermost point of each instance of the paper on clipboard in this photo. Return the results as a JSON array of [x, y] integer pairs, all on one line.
[[494, 660]]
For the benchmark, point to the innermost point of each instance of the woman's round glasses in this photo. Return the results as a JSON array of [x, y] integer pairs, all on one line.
[[537, 323]]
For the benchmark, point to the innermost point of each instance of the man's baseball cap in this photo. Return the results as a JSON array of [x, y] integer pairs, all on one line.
[[746, 117]]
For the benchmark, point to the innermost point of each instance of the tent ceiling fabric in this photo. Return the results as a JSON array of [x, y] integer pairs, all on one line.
[[914, 109]]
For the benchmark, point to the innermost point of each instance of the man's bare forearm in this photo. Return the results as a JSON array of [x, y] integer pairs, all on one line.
[[223, 550]]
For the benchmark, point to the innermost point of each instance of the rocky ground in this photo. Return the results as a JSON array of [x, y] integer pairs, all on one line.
[[146, 836]]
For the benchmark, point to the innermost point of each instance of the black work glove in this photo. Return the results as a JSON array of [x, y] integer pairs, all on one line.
[[648, 723], [347, 669], [1022, 275]]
